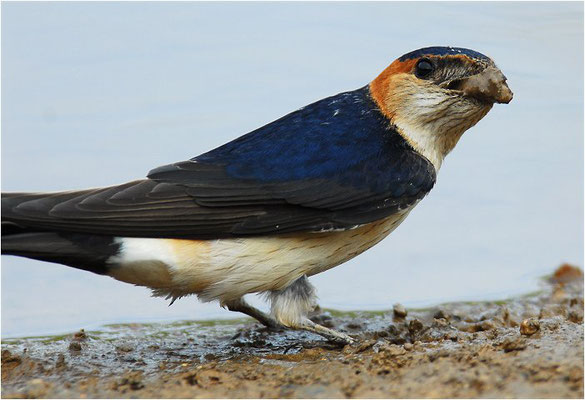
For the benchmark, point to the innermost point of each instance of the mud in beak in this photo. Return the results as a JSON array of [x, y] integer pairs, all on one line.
[[488, 86]]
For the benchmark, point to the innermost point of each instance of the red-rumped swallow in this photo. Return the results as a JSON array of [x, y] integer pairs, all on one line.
[[265, 211]]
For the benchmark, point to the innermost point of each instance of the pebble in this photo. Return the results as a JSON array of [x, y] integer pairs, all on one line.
[[74, 346], [60, 363], [81, 335], [415, 325], [529, 326], [8, 357], [399, 311], [567, 273], [575, 316]]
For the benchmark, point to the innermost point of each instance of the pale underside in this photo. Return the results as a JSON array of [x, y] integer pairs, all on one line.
[[227, 269]]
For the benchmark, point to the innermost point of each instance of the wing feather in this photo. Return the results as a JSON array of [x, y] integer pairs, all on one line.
[[295, 174]]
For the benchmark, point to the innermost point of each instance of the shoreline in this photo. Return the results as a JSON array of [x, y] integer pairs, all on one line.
[[530, 346]]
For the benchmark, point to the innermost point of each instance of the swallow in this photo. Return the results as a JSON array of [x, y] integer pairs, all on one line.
[[289, 200]]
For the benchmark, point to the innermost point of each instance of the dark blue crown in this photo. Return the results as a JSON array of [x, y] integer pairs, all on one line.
[[443, 51]]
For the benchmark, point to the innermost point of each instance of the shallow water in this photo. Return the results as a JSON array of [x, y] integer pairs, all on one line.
[[96, 94]]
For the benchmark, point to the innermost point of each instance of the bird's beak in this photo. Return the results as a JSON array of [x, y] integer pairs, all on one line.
[[488, 86]]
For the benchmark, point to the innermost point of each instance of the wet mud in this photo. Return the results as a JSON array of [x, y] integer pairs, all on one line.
[[524, 347]]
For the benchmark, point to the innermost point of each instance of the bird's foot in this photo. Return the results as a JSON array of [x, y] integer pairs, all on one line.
[[291, 305], [305, 324], [329, 334]]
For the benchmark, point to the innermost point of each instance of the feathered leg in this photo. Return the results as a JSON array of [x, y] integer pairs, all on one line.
[[290, 307]]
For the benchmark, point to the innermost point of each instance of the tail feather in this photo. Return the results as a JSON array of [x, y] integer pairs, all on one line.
[[82, 251], [27, 239]]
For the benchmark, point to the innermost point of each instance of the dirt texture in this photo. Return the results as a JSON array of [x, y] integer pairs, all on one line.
[[529, 347]]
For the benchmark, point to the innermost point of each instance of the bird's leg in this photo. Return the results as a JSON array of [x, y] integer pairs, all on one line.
[[291, 305], [240, 305]]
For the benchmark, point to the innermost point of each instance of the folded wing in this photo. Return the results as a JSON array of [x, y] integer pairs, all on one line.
[[332, 165]]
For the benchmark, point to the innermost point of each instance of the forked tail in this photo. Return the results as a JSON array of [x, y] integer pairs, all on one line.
[[80, 250]]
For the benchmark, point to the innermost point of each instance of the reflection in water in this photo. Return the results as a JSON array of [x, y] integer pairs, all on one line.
[[93, 98]]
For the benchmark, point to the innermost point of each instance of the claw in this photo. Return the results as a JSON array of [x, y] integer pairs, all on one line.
[[329, 334]]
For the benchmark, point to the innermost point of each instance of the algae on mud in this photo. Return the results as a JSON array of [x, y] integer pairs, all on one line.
[[531, 346]]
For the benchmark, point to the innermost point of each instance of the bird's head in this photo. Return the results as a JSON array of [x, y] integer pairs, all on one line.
[[433, 95]]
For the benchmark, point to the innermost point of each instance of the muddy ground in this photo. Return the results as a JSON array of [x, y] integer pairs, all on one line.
[[525, 347]]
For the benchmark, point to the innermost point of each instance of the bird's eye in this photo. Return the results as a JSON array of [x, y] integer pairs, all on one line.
[[424, 68]]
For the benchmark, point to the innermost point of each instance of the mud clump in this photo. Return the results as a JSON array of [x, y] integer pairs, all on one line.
[[529, 326], [80, 336], [566, 273], [399, 311], [526, 347], [75, 347]]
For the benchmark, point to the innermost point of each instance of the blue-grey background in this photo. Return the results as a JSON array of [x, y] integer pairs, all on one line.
[[99, 93]]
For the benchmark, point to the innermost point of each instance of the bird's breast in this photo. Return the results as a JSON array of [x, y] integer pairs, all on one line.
[[230, 268]]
